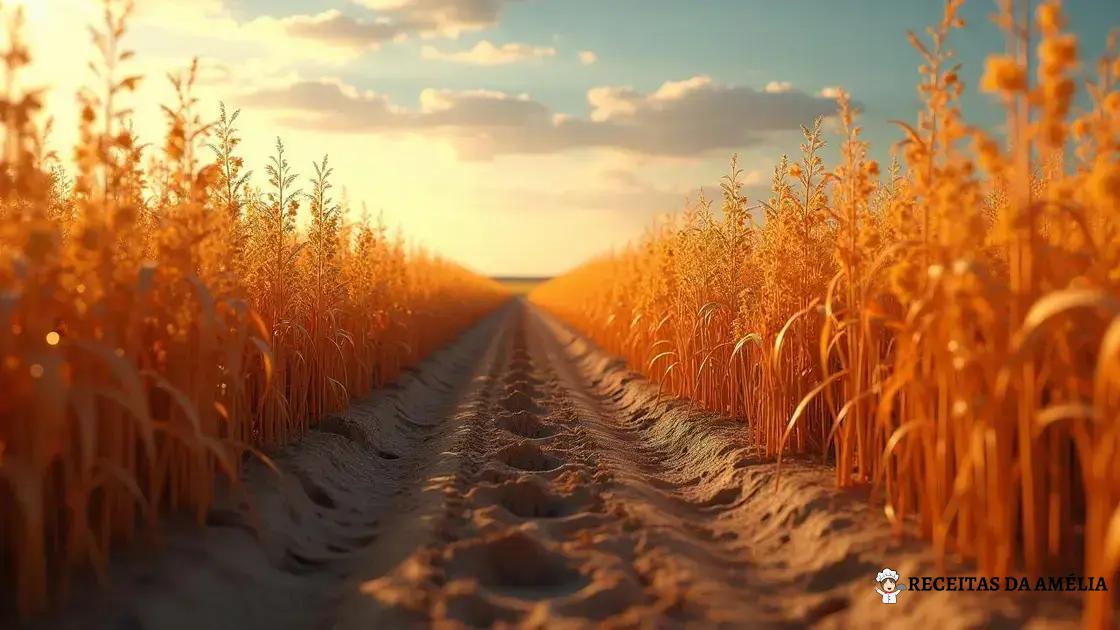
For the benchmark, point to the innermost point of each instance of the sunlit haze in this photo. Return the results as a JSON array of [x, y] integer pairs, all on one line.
[[519, 137]]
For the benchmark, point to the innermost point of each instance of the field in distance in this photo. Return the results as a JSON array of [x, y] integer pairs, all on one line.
[[520, 285]]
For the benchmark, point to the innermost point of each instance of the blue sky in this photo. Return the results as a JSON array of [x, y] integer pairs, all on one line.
[[531, 165], [858, 44]]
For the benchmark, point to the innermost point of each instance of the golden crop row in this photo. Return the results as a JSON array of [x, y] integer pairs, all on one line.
[[948, 331], [160, 324]]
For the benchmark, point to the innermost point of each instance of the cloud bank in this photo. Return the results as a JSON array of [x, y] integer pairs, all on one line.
[[680, 118], [340, 35]]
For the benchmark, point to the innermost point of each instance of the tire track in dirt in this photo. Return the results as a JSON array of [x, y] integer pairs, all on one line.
[[562, 513]]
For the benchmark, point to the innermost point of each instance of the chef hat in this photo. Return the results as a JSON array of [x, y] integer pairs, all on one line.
[[886, 574]]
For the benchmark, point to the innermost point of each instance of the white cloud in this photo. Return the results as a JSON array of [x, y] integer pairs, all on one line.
[[676, 90], [440, 17], [778, 87], [210, 27], [612, 102], [485, 53], [433, 100], [332, 28], [588, 57], [330, 35], [831, 91]]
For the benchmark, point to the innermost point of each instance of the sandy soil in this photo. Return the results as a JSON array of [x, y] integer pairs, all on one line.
[[522, 478]]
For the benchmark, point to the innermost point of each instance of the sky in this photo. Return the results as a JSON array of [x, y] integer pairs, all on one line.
[[521, 137]]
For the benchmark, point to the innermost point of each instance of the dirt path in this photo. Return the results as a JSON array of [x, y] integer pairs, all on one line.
[[522, 477], [561, 509]]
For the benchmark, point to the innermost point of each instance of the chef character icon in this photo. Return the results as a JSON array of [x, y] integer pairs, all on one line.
[[889, 587]]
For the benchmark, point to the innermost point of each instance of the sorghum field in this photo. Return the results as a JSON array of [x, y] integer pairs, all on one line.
[[228, 399]]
